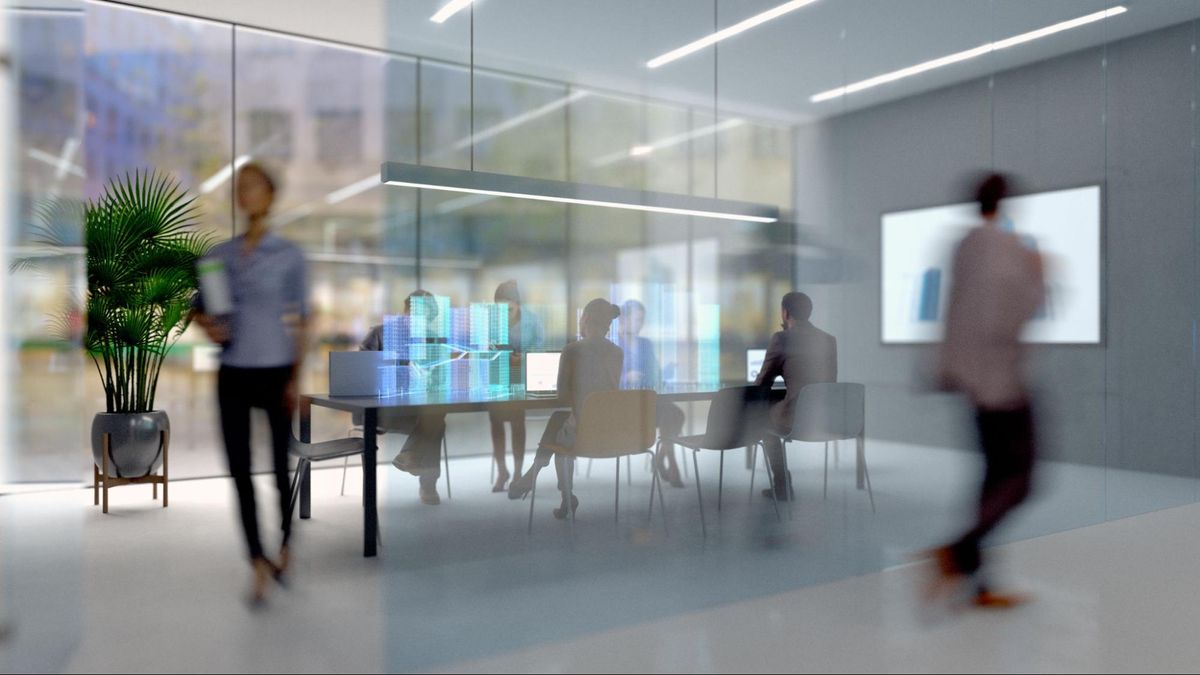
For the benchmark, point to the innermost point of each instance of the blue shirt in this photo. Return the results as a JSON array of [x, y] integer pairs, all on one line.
[[266, 284], [640, 370]]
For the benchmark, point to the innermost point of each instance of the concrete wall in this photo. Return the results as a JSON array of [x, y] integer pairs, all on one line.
[[1120, 116]]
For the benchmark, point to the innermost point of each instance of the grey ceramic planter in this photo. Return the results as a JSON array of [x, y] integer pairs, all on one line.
[[136, 445]]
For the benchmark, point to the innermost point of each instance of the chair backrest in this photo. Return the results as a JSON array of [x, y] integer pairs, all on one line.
[[736, 418], [829, 412], [616, 423]]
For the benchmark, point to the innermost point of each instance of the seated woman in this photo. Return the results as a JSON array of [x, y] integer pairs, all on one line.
[[588, 365]]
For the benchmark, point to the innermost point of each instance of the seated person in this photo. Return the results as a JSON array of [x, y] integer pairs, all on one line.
[[525, 333], [641, 371], [422, 451], [802, 354], [588, 365]]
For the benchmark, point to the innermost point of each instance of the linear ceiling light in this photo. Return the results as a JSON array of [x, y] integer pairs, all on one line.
[[966, 54], [499, 185], [450, 9], [356, 188], [725, 33], [225, 173]]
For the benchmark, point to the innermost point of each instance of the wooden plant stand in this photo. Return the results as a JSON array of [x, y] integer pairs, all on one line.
[[101, 481]]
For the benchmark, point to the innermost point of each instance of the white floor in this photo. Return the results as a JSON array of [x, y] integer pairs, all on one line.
[[462, 587]]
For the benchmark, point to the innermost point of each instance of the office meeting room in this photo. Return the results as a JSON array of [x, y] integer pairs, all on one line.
[[599, 335]]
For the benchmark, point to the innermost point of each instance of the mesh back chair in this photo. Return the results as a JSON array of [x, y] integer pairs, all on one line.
[[734, 421], [612, 425], [831, 412]]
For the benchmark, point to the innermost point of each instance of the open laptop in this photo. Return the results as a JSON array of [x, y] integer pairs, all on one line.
[[541, 373], [754, 364], [358, 373]]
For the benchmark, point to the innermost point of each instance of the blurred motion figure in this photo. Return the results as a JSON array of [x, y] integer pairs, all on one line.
[[642, 371], [525, 333], [263, 340], [997, 288]]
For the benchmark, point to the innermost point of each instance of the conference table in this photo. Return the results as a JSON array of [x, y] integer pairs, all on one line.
[[435, 403]]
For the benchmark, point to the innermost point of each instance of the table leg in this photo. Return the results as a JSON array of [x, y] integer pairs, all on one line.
[[305, 419], [370, 511]]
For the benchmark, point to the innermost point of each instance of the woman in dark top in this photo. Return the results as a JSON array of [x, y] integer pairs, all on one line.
[[263, 339]]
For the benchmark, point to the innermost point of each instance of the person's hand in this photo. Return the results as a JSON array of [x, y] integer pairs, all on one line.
[[216, 329]]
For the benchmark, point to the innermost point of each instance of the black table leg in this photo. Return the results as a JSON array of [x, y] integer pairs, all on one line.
[[370, 512], [305, 471]]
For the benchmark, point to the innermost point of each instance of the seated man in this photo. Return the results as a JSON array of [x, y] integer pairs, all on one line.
[[642, 371], [421, 454], [802, 354]]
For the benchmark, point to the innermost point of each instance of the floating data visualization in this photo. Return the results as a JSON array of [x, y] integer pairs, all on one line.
[[1063, 225]]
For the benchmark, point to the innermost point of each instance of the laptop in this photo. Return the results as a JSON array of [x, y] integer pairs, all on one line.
[[541, 373], [358, 373], [754, 364]]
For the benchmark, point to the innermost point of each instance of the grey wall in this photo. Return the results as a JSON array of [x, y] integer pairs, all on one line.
[[1120, 116]]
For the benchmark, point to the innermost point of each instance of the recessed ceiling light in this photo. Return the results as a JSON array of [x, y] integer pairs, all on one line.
[[966, 54], [725, 33], [450, 9]]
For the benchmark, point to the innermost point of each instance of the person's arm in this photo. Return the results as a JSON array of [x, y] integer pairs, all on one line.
[[772, 366], [216, 330], [566, 376]]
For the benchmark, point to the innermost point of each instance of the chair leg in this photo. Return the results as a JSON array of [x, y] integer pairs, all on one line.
[[753, 468], [345, 468], [825, 489], [870, 492], [699, 492], [446, 454], [662, 504], [721, 483], [589, 469], [629, 470], [295, 492], [571, 492], [771, 483]]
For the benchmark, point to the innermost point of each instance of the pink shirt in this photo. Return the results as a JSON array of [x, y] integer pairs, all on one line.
[[997, 289]]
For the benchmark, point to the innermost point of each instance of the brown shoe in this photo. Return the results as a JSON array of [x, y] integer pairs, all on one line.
[[945, 579], [990, 600]]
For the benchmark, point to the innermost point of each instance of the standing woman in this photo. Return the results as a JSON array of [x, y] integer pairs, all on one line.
[[263, 338]]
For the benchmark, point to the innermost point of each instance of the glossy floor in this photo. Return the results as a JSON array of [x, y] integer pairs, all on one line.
[[462, 586]]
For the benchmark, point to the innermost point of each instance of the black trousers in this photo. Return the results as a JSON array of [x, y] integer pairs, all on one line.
[[238, 391], [1010, 452]]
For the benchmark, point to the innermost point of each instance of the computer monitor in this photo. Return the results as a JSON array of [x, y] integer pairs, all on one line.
[[754, 363], [541, 372]]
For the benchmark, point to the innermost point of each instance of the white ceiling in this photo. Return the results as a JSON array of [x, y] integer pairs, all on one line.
[[769, 71]]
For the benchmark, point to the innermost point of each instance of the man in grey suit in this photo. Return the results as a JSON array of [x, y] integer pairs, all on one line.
[[802, 354]]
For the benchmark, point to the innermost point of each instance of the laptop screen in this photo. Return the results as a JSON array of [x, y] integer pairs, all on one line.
[[754, 363], [541, 372]]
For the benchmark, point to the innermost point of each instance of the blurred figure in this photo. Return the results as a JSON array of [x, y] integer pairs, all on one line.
[[641, 371], [525, 333], [263, 339], [997, 289], [802, 354], [422, 451], [588, 365]]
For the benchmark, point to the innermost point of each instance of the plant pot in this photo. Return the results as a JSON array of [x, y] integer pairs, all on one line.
[[136, 443]]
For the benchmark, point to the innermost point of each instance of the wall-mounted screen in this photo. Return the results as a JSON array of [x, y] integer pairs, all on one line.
[[1063, 225]]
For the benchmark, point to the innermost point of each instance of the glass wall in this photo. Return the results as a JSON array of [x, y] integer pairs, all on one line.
[[109, 89]]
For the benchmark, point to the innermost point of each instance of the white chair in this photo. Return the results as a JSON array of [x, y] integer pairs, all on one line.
[[830, 412]]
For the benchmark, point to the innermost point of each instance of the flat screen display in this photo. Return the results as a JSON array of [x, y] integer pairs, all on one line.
[[1063, 225]]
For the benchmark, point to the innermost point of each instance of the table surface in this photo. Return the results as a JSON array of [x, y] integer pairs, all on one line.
[[475, 400]]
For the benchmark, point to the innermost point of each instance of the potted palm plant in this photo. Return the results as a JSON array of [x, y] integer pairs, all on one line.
[[141, 249]]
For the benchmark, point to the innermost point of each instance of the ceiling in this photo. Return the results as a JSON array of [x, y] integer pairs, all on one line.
[[770, 71]]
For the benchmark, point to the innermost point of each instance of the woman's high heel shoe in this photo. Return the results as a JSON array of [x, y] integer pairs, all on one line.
[[264, 572], [521, 487], [561, 512]]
